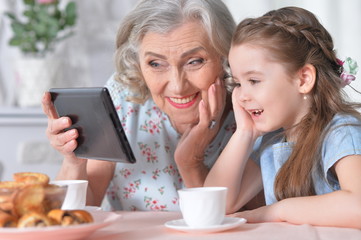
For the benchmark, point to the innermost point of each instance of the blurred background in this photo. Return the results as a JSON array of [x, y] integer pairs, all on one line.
[[86, 59]]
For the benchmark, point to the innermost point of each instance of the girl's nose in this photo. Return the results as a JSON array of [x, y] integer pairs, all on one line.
[[242, 94]]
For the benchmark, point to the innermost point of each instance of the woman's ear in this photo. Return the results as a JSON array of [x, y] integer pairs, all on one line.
[[307, 78]]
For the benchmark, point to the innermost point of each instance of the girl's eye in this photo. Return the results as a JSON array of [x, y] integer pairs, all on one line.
[[235, 85], [253, 81]]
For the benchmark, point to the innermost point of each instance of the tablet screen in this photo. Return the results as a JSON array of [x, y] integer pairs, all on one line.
[[91, 110]]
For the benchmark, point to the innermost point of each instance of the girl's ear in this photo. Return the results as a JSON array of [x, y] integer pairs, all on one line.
[[307, 78]]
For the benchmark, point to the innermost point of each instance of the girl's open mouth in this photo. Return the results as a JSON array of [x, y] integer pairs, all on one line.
[[255, 112]]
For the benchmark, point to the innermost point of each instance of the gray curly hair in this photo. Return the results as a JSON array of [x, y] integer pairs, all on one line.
[[162, 16]]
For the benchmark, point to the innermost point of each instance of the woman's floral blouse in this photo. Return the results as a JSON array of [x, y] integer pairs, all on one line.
[[152, 182]]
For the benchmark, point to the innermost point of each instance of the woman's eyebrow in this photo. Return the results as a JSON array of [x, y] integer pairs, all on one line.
[[189, 52], [192, 51], [154, 54]]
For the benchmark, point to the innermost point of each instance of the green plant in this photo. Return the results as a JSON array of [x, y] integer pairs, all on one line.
[[42, 25]]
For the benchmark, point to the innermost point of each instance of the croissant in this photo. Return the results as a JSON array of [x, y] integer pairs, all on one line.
[[70, 217], [31, 178], [34, 219], [29, 199], [7, 220], [6, 198]]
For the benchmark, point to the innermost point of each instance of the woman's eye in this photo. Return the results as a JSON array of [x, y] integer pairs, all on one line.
[[196, 61], [157, 65], [154, 64]]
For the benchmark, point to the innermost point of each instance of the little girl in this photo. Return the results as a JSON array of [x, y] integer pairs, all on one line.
[[297, 137]]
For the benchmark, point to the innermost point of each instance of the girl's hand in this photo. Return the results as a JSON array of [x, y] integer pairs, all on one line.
[[244, 120], [189, 154], [262, 214], [63, 141]]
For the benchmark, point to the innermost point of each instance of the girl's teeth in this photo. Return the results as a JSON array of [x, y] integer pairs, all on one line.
[[258, 112]]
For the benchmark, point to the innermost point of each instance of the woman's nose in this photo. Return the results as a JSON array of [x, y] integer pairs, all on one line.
[[177, 80]]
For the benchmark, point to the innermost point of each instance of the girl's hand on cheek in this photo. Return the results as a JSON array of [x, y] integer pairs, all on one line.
[[244, 120]]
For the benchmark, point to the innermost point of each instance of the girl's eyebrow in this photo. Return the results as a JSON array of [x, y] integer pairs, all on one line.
[[252, 72]]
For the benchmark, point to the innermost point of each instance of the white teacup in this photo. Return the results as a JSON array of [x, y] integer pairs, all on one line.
[[75, 197], [203, 206]]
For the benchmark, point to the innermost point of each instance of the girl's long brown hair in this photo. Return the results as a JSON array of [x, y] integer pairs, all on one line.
[[294, 37]]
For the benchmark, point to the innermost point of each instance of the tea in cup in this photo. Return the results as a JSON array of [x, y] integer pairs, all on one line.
[[203, 206]]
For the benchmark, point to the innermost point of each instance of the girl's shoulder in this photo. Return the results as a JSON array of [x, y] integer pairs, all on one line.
[[342, 132], [343, 124], [345, 120]]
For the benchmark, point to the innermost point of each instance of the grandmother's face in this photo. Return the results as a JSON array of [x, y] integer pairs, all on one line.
[[178, 68]]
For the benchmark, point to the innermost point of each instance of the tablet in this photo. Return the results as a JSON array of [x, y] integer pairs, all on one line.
[[92, 112]]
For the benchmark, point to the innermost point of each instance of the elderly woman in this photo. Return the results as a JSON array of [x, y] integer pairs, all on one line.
[[171, 65]]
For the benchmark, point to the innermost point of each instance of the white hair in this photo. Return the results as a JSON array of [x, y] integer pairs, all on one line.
[[162, 16]]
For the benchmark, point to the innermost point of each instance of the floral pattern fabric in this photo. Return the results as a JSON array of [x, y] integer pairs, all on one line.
[[152, 182]]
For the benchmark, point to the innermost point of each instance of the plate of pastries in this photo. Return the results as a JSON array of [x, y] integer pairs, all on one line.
[[31, 206]]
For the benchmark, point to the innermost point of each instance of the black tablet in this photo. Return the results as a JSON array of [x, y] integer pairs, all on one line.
[[92, 112]]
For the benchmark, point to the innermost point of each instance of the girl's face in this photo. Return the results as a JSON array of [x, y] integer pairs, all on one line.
[[264, 89], [178, 69]]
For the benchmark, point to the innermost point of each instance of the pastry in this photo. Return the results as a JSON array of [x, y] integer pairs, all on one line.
[[31, 178], [34, 219], [7, 220], [70, 217], [29, 199], [82, 216]]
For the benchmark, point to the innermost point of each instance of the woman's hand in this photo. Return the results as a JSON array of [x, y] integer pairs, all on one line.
[[189, 154], [63, 141]]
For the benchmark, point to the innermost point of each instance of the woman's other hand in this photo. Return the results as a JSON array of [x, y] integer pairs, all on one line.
[[63, 141]]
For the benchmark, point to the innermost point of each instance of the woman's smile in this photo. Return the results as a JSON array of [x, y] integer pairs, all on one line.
[[183, 102], [179, 67]]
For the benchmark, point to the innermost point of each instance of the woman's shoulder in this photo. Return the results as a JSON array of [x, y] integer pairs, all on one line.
[[117, 91], [120, 95]]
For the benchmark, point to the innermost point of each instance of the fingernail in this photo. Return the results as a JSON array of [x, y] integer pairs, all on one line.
[[65, 121], [73, 132]]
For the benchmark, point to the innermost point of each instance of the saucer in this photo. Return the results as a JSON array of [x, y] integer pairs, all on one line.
[[228, 223]]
